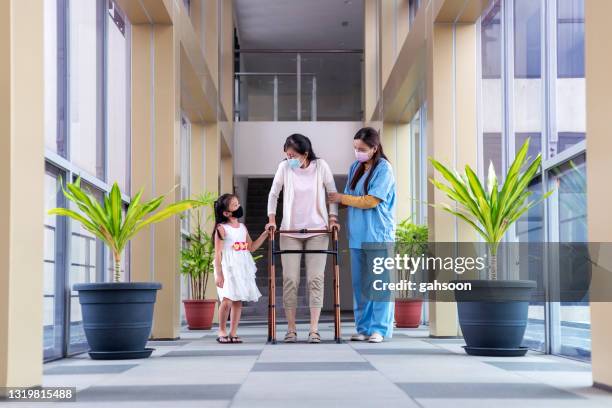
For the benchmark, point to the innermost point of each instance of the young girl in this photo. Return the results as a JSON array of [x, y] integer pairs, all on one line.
[[234, 266]]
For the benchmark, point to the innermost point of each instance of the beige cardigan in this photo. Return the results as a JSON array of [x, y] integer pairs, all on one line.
[[325, 183]]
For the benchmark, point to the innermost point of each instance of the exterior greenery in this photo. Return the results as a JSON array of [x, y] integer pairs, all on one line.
[[107, 222], [491, 209]]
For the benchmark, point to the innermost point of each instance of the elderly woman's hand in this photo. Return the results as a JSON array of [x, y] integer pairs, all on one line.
[[334, 197], [333, 223]]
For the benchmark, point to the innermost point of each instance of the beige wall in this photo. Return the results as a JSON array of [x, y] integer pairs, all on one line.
[[599, 146], [21, 181]]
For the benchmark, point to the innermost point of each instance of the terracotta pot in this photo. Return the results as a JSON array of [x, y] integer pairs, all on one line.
[[199, 313], [408, 313]]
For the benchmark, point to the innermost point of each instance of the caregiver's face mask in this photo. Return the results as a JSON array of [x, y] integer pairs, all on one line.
[[295, 163], [363, 157]]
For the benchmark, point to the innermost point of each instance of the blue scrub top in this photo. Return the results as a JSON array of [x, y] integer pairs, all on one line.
[[373, 224]]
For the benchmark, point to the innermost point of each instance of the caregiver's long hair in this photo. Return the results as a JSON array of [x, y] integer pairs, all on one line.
[[370, 137]]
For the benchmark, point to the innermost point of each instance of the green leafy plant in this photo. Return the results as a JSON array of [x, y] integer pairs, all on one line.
[[491, 209], [106, 221], [197, 260], [411, 240]]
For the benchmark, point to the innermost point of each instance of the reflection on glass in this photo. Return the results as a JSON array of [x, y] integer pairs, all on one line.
[[85, 78], [570, 126], [117, 98], [569, 206]]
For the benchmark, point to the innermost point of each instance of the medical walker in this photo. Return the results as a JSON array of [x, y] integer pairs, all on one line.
[[272, 252]]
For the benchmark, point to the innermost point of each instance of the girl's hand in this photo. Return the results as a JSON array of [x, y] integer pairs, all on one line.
[[268, 225], [334, 197], [219, 280]]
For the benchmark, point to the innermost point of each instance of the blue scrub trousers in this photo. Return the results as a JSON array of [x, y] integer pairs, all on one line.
[[370, 315]]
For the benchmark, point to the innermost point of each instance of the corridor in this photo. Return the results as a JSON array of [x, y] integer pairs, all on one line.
[[412, 370]]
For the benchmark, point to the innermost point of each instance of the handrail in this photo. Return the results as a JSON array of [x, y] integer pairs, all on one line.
[[273, 73]]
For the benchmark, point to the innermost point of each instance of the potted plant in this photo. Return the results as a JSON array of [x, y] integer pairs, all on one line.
[[493, 315], [410, 240], [117, 316], [197, 263]]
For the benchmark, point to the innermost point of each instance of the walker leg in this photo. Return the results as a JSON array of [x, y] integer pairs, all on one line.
[[272, 296], [272, 292], [337, 320]]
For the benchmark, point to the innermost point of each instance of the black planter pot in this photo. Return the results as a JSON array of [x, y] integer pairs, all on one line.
[[117, 318], [493, 316]]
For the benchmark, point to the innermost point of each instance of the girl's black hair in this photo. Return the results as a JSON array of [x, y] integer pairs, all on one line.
[[300, 144], [371, 137], [221, 205]]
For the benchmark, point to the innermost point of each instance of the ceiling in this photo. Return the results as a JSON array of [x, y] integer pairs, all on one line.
[[299, 24]]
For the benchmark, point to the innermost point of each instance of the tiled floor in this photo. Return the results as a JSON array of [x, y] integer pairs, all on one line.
[[411, 370]]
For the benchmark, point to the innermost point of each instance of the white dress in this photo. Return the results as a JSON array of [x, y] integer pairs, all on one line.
[[238, 267]]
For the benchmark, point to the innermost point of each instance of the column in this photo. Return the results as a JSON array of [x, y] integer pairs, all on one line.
[[598, 91], [156, 164], [21, 183], [451, 138]]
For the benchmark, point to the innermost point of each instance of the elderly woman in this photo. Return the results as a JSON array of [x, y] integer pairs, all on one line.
[[305, 180]]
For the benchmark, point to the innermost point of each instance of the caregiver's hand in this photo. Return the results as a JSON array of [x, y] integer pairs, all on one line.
[[334, 197], [270, 224]]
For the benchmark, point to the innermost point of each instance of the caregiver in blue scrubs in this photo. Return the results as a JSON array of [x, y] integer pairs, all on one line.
[[370, 197]]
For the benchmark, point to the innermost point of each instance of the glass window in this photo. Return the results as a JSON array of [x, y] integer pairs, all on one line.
[[570, 38], [492, 153], [50, 74], [53, 303], [528, 82], [491, 88], [490, 39], [553, 118], [117, 98], [85, 79], [527, 38], [568, 213], [569, 86]]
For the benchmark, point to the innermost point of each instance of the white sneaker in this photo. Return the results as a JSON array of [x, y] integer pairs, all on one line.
[[375, 338], [359, 337]]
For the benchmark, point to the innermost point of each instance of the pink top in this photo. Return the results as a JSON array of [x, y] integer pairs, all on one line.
[[304, 211]]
